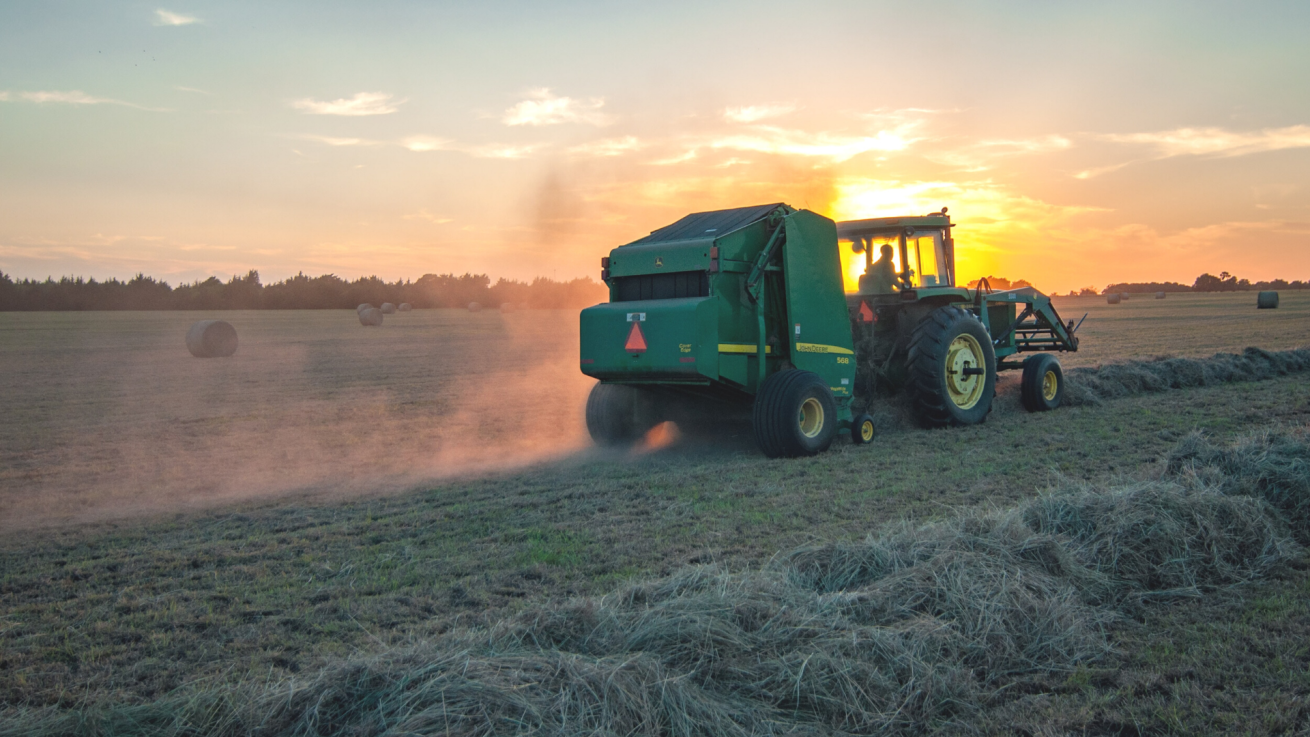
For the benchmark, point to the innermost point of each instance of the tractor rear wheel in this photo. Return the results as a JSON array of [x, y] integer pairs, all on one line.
[[952, 369], [1042, 388], [794, 415], [618, 414]]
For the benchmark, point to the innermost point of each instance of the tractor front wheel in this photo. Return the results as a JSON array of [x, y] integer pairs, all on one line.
[[1042, 388], [618, 414], [794, 415], [952, 369]]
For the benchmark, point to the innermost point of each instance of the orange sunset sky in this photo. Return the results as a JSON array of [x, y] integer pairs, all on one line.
[[1075, 144]]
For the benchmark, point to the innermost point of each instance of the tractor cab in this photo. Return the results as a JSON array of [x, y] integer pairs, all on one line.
[[921, 251]]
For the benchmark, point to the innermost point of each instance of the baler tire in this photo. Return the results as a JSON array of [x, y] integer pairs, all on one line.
[[929, 386], [785, 403], [612, 415], [863, 430], [1042, 387]]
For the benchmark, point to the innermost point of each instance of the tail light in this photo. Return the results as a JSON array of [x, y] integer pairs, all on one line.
[[714, 259]]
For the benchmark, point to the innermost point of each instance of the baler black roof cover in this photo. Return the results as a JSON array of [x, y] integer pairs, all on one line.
[[708, 224]]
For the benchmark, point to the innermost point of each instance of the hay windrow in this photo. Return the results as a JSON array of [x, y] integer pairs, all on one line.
[[1090, 386], [911, 629]]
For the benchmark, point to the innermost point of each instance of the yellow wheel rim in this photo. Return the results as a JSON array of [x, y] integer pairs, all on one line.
[[1050, 385], [965, 389], [811, 418], [866, 430]]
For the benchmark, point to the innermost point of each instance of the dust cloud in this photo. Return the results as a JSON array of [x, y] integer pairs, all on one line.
[[108, 416]]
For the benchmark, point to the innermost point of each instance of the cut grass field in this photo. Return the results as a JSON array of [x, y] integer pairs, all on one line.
[[129, 611]]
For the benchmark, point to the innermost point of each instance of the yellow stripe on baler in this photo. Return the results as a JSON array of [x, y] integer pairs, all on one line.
[[741, 348]]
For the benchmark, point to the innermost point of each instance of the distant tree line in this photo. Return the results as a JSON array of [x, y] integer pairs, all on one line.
[[1225, 282], [299, 292]]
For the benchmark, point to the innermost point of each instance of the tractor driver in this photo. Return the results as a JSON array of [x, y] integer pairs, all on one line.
[[880, 277]]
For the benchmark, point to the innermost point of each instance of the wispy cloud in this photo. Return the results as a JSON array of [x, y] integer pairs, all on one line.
[[333, 141], [423, 144], [754, 113], [609, 147], [427, 143], [676, 159], [424, 214], [502, 151], [1217, 141], [196, 90], [363, 103], [544, 108], [169, 18], [834, 146], [70, 97]]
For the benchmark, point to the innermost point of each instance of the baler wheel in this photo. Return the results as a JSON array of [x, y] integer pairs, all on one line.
[[1042, 388], [794, 415], [952, 369], [863, 430], [616, 414]]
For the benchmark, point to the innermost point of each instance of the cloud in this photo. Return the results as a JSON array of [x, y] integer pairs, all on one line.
[[832, 146], [333, 141], [677, 159], [169, 18], [501, 151], [609, 147], [1217, 141], [196, 90], [543, 108], [424, 214], [71, 97], [423, 144], [363, 103], [754, 113], [426, 143], [976, 156]]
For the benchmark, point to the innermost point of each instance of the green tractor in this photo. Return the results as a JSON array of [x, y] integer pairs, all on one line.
[[745, 310]]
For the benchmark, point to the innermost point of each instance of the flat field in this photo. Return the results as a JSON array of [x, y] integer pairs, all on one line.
[[108, 415], [273, 583]]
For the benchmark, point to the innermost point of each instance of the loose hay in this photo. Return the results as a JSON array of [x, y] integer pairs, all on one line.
[[1273, 465], [1084, 386], [371, 317], [908, 631], [211, 339]]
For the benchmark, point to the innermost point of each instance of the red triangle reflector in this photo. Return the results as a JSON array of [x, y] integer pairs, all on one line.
[[636, 341], [866, 314]]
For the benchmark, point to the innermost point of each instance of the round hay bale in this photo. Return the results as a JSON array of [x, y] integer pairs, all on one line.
[[370, 318], [388, 308], [405, 307], [211, 339], [475, 307], [1159, 295], [1267, 300], [1112, 299], [360, 309], [507, 307], [1123, 296]]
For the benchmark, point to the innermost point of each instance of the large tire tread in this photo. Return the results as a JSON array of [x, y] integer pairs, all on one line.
[[925, 366]]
